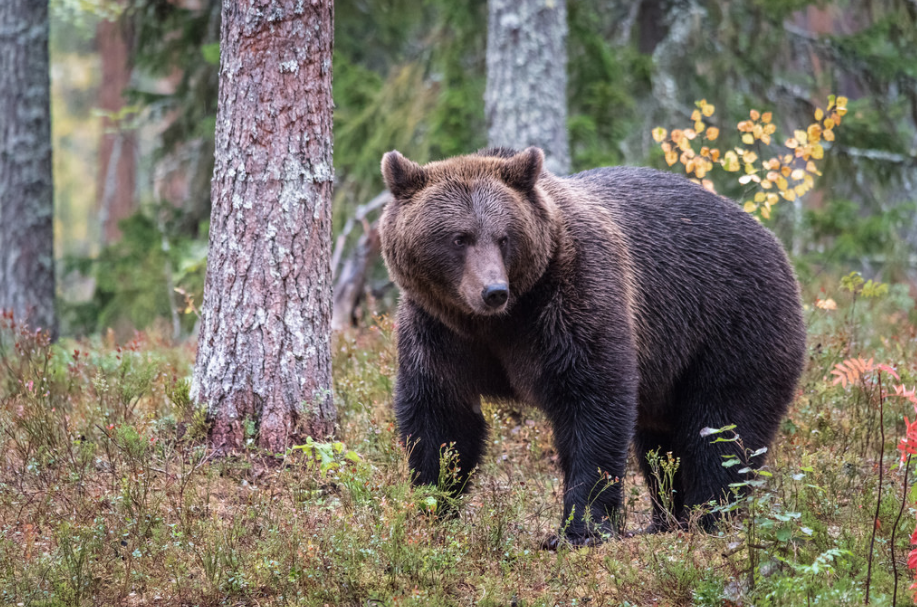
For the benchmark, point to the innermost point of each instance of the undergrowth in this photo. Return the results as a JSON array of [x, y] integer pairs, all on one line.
[[109, 495]]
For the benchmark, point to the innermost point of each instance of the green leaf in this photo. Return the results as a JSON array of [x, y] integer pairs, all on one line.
[[211, 53]]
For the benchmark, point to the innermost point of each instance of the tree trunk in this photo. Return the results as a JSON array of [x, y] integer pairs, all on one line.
[[264, 349], [526, 96], [117, 176], [26, 181]]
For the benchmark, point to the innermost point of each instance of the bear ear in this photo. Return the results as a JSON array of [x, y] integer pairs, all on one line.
[[402, 176], [523, 170]]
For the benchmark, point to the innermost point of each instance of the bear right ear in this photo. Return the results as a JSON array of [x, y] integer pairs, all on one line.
[[402, 176], [522, 170]]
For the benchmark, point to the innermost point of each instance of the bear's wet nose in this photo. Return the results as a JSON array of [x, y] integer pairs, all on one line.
[[495, 295]]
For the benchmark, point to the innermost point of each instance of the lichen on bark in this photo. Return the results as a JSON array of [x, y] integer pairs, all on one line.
[[264, 345]]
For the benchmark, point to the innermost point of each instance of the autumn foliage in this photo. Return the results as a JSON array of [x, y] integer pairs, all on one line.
[[788, 172]]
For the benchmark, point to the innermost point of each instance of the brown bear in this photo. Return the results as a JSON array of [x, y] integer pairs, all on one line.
[[632, 306]]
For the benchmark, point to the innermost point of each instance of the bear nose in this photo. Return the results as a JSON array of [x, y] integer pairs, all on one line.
[[495, 295]]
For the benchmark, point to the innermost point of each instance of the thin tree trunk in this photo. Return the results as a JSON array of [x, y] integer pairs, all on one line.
[[526, 96], [26, 181], [116, 180], [264, 348]]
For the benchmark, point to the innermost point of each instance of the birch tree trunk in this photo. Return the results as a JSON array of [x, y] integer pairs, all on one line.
[[264, 347], [26, 181], [526, 97]]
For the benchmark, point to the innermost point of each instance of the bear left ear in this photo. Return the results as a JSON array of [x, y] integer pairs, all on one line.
[[402, 176], [522, 170]]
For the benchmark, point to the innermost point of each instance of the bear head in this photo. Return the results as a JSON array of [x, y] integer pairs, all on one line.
[[469, 235]]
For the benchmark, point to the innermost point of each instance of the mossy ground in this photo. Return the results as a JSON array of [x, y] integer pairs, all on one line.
[[109, 495]]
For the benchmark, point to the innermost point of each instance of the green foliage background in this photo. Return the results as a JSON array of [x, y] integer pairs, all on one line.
[[411, 76]]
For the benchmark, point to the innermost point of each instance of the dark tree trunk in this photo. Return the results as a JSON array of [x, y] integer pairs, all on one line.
[[117, 177], [526, 97], [264, 348], [26, 182]]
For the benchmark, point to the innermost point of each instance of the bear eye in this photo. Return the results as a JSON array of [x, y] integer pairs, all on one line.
[[503, 241], [460, 241]]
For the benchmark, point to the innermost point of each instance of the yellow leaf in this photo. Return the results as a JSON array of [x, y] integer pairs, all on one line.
[[842, 103], [748, 139], [800, 189], [666, 146], [745, 126], [766, 117], [708, 109], [798, 174], [826, 304], [700, 169], [704, 151], [690, 133], [750, 207], [755, 114], [765, 212], [785, 171], [788, 159], [770, 129], [714, 153], [781, 183], [792, 143], [828, 135], [814, 133], [659, 134], [829, 124], [713, 133], [709, 185], [818, 152], [677, 135], [750, 157], [695, 115], [731, 161], [809, 181], [810, 166], [758, 131], [819, 114], [699, 126], [772, 198], [750, 168], [831, 99], [671, 157], [789, 195], [773, 175], [759, 197], [766, 184], [801, 136]]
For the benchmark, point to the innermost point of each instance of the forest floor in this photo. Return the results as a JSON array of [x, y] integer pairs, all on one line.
[[109, 495]]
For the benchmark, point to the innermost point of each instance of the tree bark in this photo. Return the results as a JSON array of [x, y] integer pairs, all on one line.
[[117, 177], [26, 180], [264, 348], [526, 97]]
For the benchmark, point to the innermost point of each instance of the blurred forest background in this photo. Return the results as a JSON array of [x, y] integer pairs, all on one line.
[[135, 93]]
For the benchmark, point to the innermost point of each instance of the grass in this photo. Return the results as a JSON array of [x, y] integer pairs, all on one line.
[[109, 496]]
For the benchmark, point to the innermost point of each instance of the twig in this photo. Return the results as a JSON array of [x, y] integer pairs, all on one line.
[[907, 468], [875, 518]]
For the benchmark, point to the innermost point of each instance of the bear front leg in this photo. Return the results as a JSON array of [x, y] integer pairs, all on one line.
[[593, 426], [437, 400]]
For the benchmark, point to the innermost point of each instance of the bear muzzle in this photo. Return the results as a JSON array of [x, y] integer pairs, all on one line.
[[495, 295]]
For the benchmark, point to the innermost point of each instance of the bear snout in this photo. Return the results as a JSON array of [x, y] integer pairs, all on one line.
[[495, 295]]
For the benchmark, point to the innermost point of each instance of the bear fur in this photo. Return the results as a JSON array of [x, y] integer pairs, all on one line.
[[632, 306]]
